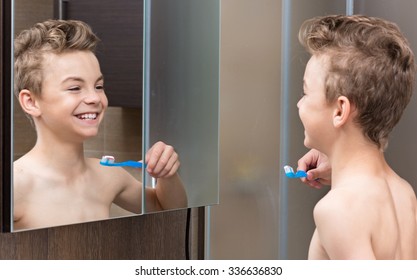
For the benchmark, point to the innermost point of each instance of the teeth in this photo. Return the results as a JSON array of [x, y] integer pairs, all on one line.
[[87, 116]]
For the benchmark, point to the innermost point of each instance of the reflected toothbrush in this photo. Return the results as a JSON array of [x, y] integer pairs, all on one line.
[[289, 171], [109, 161]]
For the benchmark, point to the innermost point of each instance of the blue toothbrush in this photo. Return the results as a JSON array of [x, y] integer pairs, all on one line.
[[109, 161], [290, 172]]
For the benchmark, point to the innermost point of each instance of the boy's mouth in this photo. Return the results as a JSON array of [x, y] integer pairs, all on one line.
[[87, 116]]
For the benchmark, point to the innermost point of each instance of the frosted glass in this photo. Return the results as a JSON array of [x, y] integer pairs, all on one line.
[[262, 215], [182, 90]]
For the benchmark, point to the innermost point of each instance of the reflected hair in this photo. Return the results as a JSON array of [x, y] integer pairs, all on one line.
[[370, 62], [51, 36]]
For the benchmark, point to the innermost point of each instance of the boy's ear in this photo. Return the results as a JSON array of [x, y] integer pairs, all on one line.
[[29, 103], [342, 111]]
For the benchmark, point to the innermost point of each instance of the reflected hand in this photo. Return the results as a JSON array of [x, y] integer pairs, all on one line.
[[318, 169], [162, 160]]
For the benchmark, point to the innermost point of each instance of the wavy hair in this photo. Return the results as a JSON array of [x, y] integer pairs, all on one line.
[[51, 36], [370, 62]]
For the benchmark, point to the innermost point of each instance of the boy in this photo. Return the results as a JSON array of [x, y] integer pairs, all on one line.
[[357, 84], [59, 85]]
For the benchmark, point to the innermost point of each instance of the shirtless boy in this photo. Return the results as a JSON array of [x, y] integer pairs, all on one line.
[[357, 84], [59, 85]]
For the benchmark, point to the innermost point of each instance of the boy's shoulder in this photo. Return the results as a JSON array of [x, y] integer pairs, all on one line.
[[345, 213], [24, 170], [352, 197], [358, 197]]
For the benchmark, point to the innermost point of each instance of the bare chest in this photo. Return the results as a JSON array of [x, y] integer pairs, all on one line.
[[52, 203]]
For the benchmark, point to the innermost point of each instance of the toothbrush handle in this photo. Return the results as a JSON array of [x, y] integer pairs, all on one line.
[[130, 163]]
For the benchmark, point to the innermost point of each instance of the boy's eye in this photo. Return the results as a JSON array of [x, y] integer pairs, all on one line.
[[74, 89]]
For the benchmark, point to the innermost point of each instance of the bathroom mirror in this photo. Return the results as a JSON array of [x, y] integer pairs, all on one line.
[[160, 60], [181, 91]]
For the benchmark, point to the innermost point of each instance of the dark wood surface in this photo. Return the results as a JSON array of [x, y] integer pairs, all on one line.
[[152, 236]]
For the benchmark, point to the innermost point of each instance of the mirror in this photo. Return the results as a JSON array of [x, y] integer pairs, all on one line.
[[181, 92], [174, 46]]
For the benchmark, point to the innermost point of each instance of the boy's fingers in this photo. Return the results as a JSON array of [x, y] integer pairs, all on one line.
[[302, 164], [315, 184], [164, 162]]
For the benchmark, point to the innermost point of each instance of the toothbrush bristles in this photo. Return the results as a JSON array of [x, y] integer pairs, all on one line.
[[288, 169], [107, 159]]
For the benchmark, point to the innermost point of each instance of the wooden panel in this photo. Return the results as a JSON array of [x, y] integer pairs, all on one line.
[[24, 246], [152, 236]]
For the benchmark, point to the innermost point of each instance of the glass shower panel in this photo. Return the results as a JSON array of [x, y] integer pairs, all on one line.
[[297, 199], [182, 90], [261, 214], [245, 224]]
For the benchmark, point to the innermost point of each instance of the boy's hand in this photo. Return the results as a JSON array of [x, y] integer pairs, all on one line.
[[318, 169], [162, 160]]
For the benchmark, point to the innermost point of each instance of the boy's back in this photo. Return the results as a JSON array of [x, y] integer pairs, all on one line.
[[371, 216]]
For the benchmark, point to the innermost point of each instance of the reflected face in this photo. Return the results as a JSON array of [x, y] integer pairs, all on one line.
[[73, 101], [314, 111]]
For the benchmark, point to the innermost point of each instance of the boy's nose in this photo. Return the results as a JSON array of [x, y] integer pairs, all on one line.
[[92, 97]]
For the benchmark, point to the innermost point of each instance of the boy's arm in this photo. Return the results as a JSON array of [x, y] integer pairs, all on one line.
[[162, 164], [342, 228], [168, 194], [130, 193]]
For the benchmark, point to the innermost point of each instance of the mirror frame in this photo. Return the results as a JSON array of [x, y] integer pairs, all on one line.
[[6, 116]]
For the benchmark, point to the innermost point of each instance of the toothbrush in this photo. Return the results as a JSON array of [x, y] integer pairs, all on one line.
[[290, 172], [109, 161]]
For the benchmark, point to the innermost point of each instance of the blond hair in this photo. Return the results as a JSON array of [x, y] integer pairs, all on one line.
[[370, 62], [51, 36]]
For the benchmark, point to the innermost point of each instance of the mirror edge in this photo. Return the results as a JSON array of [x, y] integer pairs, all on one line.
[[6, 127], [145, 91]]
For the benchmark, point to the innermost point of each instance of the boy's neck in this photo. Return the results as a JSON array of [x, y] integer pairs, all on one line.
[[353, 158], [65, 157]]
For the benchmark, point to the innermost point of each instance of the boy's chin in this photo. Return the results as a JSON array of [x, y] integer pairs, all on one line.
[[89, 134], [309, 145]]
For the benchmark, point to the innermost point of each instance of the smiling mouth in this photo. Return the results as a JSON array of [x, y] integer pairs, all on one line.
[[88, 116]]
